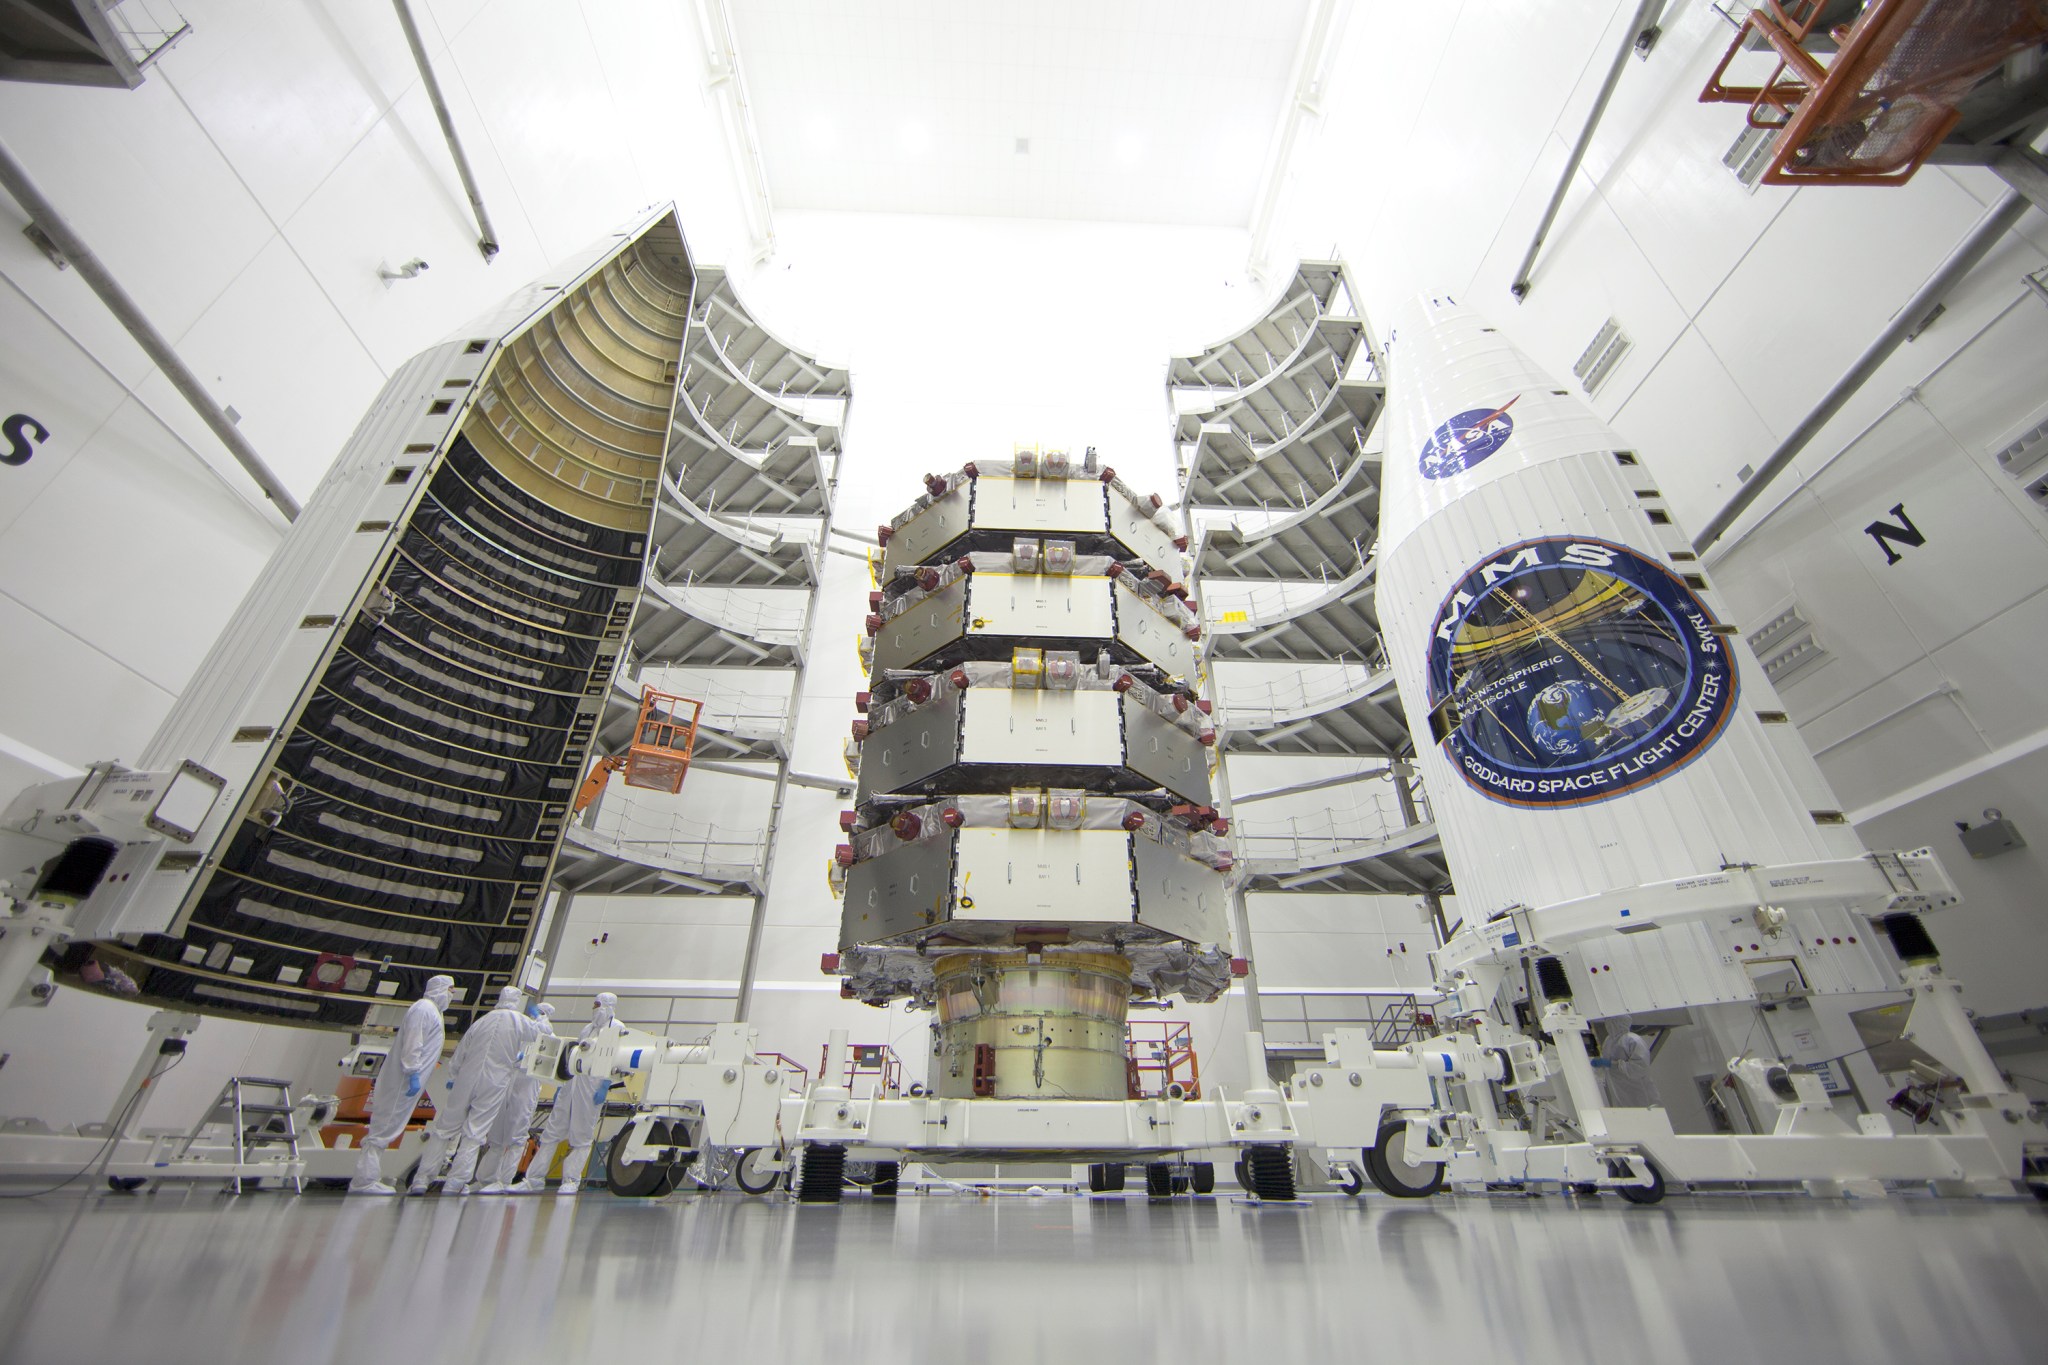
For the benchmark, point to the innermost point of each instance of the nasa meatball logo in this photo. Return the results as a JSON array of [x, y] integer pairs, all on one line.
[[1466, 439], [1569, 670]]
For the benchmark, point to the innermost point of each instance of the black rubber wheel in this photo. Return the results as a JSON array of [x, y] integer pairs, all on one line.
[[635, 1179], [1106, 1177], [1639, 1194], [1202, 1177], [749, 1177], [1159, 1179], [1586, 1190], [1386, 1162], [129, 1184], [822, 1174], [887, 1173], [1242, 1176], [1271, 1168], [1349, 1180]]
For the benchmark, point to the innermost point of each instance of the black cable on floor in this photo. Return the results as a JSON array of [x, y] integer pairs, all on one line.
[[112, 1137]]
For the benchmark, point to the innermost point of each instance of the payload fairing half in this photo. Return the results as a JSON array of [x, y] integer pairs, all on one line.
[[1590, 729]]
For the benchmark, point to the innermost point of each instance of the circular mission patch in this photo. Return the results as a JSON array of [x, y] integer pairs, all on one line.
[[1568, 670]]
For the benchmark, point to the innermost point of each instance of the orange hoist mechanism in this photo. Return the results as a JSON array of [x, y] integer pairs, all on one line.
[[663, 736], [1890, 92]]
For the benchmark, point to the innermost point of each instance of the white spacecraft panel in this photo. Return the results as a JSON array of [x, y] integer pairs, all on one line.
[[912, 747], [1178, 895], [1055, 876], [1165, 753], [911, 635], [1146, 538], [920, 539], [907, 888], [1034, 726], [1041, 604], [1041, 505], [1143, 628]]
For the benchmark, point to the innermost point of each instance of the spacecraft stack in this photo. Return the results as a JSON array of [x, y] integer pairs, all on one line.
[[1033, 843], [1589, 727]]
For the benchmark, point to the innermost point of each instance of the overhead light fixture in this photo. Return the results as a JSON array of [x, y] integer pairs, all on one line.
[[1023, 146]]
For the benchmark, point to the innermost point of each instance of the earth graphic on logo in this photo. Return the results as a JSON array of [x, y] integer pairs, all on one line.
[[1568, 719]]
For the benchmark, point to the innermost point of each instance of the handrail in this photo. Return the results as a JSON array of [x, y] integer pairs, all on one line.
[[1308, 692]]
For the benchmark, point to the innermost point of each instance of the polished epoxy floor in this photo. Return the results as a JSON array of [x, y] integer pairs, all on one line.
[[198, 1277]]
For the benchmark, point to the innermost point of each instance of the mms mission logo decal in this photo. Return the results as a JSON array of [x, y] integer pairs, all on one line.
[[1569, 670]]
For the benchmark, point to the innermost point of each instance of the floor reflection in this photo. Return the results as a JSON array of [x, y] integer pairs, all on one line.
[[192, 1276]]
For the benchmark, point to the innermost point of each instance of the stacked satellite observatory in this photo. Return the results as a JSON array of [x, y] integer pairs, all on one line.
[[1033, 843]]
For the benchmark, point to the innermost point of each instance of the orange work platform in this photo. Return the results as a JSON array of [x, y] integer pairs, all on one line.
[[664, 735], [1887, 95], [1160, 1061]]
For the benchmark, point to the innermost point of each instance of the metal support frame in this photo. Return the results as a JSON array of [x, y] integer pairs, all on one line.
[[1990, 229], [551, 949], [487, 243], [757, 923], [1643, 24], [43, 216]]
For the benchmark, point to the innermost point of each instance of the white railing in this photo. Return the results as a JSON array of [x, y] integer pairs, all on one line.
[[1371, 817], [1239, 606], [1309, 692], [737, 610], [646, 832], [737, 710]]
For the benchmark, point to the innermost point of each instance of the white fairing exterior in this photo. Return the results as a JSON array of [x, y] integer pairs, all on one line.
[[1747, 797]]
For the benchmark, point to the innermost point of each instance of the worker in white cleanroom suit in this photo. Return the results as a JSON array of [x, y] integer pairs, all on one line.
[[400, 1081], [479, 1074], [1626, 1059], [579, 1102], [515, 1118]]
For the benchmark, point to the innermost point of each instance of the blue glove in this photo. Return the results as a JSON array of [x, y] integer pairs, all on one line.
[[1601, 1061], [412, 1083], [599, 1093]]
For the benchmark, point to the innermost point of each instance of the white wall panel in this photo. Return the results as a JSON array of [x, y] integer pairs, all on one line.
[[44, 375], [145, 185], [177, 529], [66, 698], [1693, 428], [273, 93], [1792, 318]]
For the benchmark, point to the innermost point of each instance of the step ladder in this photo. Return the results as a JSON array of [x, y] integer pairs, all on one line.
[[257, 1112]]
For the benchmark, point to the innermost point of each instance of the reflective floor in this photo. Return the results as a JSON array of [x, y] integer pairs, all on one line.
[[195, 1276]]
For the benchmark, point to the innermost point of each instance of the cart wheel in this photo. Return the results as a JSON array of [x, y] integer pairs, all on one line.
[[129, 1184], [1350, 1180], [635, 1179], [1202, 1176], [1158, 1179], [1106, 1177], [1639, 1194], [1243, 1177], [1386, 1161], [887, 1173], [748, 1175]]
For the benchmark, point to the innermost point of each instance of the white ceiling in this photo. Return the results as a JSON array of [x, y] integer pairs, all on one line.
[[1157, 111]]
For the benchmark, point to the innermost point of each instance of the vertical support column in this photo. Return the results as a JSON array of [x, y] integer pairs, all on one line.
[[558, 921], [1241, 929]]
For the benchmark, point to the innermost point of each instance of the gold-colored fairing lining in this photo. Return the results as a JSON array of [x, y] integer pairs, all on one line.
[[575, 410]]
